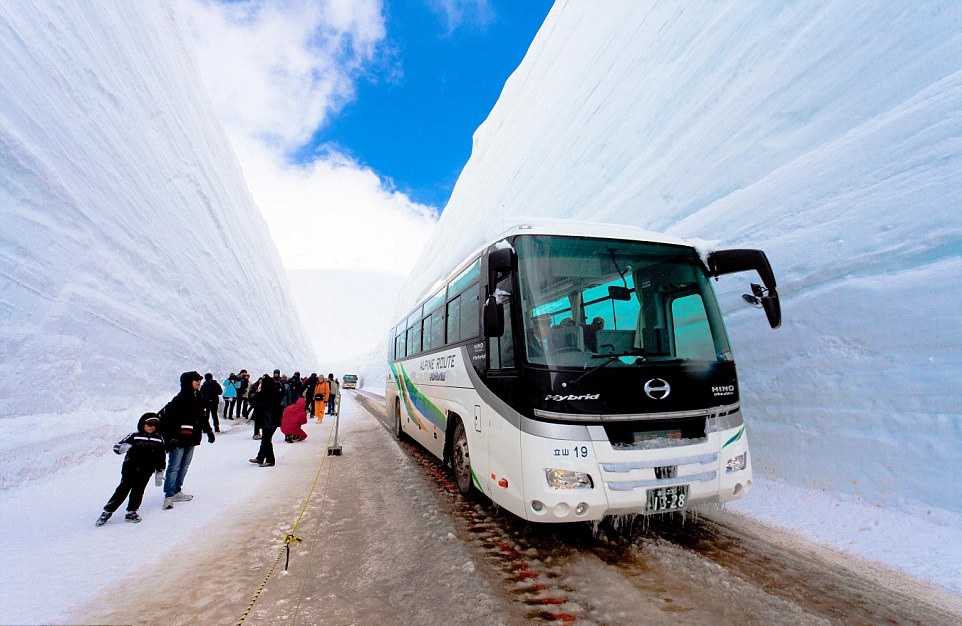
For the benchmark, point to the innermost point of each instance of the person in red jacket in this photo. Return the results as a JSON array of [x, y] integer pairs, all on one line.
[[294, 416]]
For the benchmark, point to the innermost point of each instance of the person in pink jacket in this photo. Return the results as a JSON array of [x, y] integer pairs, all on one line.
[[294, 416]]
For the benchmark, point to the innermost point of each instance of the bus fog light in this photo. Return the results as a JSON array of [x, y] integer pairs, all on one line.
[[737, 463], [567, 479], [581, 509], [537, 506]]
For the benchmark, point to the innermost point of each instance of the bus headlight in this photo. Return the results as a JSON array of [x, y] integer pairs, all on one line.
[[737, 463], [567, 479]]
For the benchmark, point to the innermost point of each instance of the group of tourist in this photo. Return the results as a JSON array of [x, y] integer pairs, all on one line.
[[164, 442]]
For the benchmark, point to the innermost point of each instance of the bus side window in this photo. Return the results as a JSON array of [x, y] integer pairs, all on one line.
[[426, 336], [437, 328], [470, 322], [454, 321]]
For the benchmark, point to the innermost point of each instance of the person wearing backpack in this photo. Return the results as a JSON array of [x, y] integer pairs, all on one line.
[[182, 421], [210, 391], [230, 397], [334, 385]]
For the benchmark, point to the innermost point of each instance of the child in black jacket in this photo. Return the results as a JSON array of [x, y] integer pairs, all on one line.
[[146, 455]]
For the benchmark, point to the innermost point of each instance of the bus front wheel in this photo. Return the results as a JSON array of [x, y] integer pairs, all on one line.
[[461, 459]]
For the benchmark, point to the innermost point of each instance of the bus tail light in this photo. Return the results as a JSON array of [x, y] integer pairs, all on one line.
[[568, 479]]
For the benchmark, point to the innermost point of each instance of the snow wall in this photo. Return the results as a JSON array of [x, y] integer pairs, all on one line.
[[829, 135], [130, 249]]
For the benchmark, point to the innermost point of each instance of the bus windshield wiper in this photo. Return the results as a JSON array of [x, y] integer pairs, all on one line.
[[609, 359]]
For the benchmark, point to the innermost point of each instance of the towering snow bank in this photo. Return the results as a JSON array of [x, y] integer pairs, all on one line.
[[828, 134], [130, 248]]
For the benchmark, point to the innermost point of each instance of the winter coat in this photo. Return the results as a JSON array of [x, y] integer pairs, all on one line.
[[297, 387], [309, 385], [293, 417], [211, 391], [242, 385], [184, 418], [284, 397], [230, 388], [146, 452], [335, 387], [322, 388], [266, 402]]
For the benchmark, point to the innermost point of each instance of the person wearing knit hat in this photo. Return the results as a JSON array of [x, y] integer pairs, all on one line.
[[182, 421], [144, 456]]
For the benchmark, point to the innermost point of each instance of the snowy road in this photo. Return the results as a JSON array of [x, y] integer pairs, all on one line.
[[385, 539]]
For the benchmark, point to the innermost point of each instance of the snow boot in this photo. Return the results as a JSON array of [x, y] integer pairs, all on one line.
[[132, 516], [103, 518]]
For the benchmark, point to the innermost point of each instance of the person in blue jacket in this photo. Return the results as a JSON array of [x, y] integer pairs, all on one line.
[[146, 455], [231, 384]]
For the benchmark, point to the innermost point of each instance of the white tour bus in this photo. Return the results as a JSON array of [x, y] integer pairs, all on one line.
[[570, 371]]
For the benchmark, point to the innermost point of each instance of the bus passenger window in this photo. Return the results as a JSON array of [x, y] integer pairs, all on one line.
[[470, 313], [426, 333], [454, 321], [399, 345], [437, 328]]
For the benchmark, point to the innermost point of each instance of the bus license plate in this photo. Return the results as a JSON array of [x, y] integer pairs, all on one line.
[[667, 499]]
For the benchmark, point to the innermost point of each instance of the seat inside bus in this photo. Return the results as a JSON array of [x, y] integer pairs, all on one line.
[[614, 341], [566, 339]]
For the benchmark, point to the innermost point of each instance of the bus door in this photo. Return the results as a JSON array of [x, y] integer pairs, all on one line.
[[502, 378]]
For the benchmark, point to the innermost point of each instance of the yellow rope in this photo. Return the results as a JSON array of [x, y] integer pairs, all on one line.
[[288, 539]]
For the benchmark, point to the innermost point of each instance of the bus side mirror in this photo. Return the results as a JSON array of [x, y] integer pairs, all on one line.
[[731, 261], [500, 262], [493, 318]]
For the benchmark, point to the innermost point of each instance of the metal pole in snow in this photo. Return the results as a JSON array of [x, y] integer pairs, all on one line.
[[335, 450]]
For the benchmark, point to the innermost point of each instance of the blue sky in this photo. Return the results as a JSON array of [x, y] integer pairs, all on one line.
[[437, 76], [352, 119]]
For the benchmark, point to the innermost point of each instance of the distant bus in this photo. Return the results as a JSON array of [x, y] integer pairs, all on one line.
[[574, 371], [350, 381]]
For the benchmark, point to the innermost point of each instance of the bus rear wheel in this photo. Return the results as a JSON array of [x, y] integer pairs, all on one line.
[[398, 428], [461, 459]]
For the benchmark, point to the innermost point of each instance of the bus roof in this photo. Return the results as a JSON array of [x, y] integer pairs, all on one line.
[[577, 228], [564, 228]]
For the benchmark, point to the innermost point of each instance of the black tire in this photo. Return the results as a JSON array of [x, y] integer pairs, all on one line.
[[461, 459], [398, 428]]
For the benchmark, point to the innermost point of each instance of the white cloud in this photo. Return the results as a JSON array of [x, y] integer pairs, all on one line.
[[278, 71], [454, 14], [335, 213]]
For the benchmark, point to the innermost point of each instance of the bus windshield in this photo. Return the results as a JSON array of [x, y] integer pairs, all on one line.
[[587, 302]]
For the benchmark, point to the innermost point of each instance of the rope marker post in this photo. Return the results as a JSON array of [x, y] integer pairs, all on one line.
[[335, 450]]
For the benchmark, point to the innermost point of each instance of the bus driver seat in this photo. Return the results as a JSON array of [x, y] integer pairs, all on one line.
[[566, 339]]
